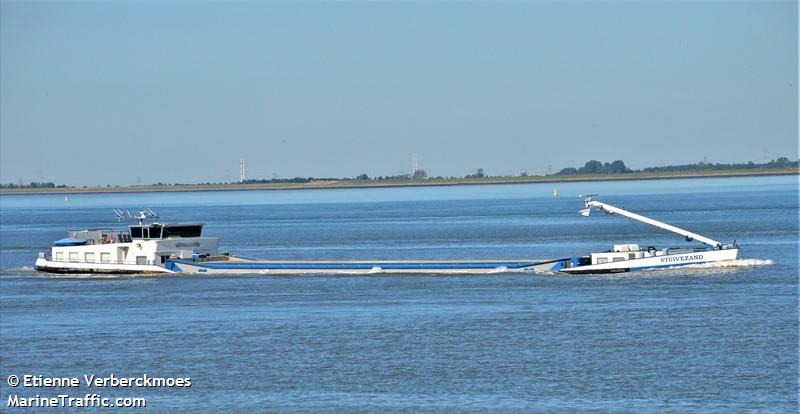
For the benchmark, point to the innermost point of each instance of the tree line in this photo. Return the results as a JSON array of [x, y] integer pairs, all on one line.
[[33, 184], [618, 167]]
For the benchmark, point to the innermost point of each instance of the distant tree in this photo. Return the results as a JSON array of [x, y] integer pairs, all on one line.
[[782, 162], [523, 174], [567, 171], [478, 174], [592, 167], [419, 175], [616, 167], [362, 177]]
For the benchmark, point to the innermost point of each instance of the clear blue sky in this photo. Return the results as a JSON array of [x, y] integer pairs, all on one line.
[[113, 93]]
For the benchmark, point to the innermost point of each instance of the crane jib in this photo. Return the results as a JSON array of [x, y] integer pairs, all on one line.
[[616, 210]]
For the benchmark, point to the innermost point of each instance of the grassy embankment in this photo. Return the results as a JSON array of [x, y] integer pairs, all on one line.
[[407, 183]]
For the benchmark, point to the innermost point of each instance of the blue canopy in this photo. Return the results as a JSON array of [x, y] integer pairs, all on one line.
[[69, 242]]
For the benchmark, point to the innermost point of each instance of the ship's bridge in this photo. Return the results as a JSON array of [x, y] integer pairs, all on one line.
[[156, 231]]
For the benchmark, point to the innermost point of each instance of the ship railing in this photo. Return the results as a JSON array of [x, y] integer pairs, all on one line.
[[684, 249], [101, 236]]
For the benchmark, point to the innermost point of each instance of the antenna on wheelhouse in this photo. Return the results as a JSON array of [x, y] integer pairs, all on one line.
[[141, 217]]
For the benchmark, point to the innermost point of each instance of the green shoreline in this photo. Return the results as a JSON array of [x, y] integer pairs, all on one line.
[[399, 183]]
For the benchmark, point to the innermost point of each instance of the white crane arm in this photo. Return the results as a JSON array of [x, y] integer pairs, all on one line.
[[616, 210]]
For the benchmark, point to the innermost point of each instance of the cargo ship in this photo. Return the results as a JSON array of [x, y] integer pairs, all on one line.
[[156, 248]]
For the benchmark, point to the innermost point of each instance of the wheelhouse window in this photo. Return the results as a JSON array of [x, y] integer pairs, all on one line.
[[136, 232], [155, 232], [74, 256], [146, 232], [88, 257], [59, 256], [105, 257], [163, 232], [188, 230]]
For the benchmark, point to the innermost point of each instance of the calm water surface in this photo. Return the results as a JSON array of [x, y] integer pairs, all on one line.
[[709, 339]]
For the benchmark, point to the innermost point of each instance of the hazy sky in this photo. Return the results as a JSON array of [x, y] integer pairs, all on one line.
[[114, 93]]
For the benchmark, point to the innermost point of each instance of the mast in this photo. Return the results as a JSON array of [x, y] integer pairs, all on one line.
[[587, 199], [143, 215]]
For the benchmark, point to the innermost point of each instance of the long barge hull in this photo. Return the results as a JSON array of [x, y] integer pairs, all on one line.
[[358, 267], [235, 265]]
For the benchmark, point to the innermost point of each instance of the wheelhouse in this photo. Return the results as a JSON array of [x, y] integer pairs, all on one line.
[[158, 231]]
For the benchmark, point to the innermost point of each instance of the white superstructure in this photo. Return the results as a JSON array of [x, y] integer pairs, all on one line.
[[144, 248]]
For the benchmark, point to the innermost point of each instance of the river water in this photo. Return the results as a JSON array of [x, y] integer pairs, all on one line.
[[703, 339]]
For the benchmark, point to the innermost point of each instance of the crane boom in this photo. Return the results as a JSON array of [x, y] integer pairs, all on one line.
[[616, 210]]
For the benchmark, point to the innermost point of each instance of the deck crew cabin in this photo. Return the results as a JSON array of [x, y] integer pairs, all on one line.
[[142, 244]]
